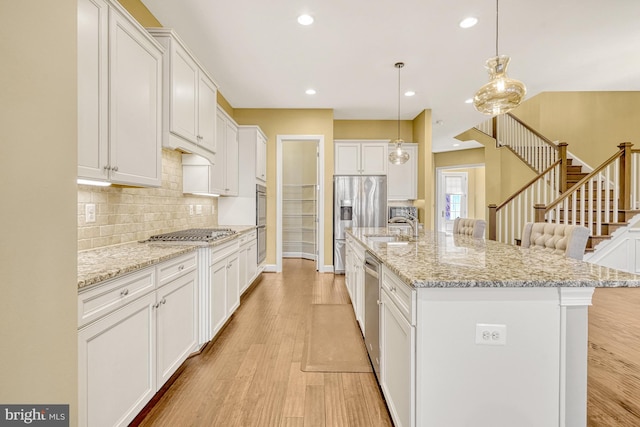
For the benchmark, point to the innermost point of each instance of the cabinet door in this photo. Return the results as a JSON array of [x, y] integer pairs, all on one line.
[[359, 290], [402, 180], [231, 160], [177, 324], [218, 171], [134, 104], [243, 275], [218, 303], [347, 158], [261, 158], [116, 365], [233, 283], [184, 94], [207, 104], [252, 262], [397, 363], [93, 85], [374, 158]]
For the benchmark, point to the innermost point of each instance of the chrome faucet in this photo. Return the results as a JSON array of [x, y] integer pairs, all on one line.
[[412, 220]]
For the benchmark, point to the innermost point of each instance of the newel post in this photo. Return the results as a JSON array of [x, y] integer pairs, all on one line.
[[625, 176], [492, 221], [562, 153], [539, 212]]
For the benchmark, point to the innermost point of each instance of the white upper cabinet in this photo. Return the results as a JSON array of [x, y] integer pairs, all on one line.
[[356, 157], [119, 97], [402, 180], [190, 107], [225, 168], [261, 156]]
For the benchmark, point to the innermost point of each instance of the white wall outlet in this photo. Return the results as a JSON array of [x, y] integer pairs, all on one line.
[[198, 209], [90, 212], [190, 209], [487, 334]]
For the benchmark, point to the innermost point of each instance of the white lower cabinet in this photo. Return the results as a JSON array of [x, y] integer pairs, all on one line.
[[134, 332], [177, 323], [354, 278], [116, 365], [398, 349], [224, 291], [248, 259]]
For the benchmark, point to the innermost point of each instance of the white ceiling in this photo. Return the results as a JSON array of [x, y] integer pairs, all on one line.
[[262, 58]]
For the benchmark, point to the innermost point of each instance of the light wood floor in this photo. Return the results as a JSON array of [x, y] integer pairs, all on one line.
[[250, 376], [613, 386]]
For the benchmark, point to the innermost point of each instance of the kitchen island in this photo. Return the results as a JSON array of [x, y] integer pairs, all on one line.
[[476, 332]]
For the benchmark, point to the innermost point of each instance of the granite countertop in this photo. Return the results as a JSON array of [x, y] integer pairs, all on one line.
[[436, 259], [97, 265]]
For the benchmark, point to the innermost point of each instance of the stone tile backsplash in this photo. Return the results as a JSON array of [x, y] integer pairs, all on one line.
[[126, 214]]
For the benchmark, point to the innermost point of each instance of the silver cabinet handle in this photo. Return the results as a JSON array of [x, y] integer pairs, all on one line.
[[115, 169], [163, 301], [156, 305], [181, 267], [124, 292], [106, 167]]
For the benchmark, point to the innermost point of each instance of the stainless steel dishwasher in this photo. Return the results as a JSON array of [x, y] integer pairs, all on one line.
[[372, 309]]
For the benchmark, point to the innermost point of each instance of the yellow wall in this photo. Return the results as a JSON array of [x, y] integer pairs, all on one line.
[[38, 267], [222, 102], [274, 122], [139, 11], [474, 156], [373, 129], [426, 169], [592, 123]]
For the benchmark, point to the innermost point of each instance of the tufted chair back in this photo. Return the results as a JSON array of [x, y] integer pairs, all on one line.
[[567, 240], [469, 227]]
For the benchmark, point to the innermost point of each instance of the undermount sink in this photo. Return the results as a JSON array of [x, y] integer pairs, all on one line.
[[391, 240]]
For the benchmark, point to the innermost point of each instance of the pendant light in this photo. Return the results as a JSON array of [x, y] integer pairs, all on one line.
[[398, 156], [501, 94]]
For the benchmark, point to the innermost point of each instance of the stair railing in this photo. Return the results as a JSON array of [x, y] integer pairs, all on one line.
[[507, 220], [600, 197]]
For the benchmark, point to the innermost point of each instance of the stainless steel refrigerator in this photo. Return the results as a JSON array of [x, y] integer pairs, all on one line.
[[358, 201]]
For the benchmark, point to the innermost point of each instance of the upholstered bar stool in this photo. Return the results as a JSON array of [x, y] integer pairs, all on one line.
[[567, 240], [469, 227]]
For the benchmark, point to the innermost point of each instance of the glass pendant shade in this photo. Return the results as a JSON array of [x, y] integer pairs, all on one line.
[[502, 94], [398, 156]]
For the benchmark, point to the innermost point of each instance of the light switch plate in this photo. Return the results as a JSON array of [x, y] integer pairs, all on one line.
[[90, 212]]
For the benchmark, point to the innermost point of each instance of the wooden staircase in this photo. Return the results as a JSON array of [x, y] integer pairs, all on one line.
[[603, 200]]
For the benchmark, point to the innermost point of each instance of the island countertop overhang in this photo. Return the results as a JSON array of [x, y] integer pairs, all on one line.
[[437, 260]]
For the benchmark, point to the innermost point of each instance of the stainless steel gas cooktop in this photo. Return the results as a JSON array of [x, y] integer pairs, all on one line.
[[191, 235]]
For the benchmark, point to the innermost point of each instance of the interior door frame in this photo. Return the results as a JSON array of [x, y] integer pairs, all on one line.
[[439, 202], [319, 140]]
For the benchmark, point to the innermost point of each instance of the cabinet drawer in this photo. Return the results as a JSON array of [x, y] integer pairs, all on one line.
[[247, 237], [176, 267], [400, 293], [223, 251], [113, 294]]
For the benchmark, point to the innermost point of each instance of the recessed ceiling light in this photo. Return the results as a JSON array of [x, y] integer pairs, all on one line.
[[310, 91], [439, 122], [409, 93], [305, 19], [468, 101], [468, 22], [456, 145]]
